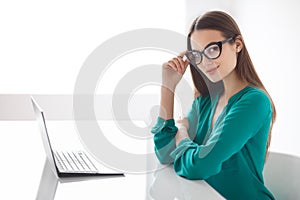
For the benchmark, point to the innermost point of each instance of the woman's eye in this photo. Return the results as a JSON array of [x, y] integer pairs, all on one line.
[[213, 49], [196, 55]]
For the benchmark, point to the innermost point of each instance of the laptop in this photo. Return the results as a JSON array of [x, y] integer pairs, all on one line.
[[68, 163]]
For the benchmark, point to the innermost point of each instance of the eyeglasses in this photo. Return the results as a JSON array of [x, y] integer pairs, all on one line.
[[212, 51]]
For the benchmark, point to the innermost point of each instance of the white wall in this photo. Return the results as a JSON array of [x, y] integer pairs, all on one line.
[[43, 45], [272, 32]]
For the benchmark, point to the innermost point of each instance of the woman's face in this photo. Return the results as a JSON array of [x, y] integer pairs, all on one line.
[[219, 68]]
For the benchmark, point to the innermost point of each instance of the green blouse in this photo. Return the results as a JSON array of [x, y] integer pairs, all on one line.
[[230, 155]]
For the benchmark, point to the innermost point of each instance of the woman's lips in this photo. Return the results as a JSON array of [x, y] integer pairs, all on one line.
[[210, 71]]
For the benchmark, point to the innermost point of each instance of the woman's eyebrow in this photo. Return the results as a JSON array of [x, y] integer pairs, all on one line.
[[202, 48]]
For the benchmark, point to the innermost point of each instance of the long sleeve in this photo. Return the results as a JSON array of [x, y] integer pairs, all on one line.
[[241, 120], [165, 130], [164, 139]]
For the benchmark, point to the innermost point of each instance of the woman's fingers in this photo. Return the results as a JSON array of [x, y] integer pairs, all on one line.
[[178, 63], [183, 66], [183, 58], [182, 53], [173, 71], [172, 65]]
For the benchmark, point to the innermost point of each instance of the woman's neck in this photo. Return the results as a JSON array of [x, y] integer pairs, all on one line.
[[232, 85]]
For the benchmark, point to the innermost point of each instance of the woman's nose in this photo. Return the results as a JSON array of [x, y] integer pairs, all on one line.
[[206, 62]]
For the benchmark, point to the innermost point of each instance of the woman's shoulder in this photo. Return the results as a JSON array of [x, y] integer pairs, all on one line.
[[252, 95], [255, 93], [248, 94]]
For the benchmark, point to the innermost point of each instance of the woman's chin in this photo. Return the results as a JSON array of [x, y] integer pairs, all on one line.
[[214, 79]]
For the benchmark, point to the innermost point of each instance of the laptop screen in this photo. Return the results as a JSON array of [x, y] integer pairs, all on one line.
[[39, 114]]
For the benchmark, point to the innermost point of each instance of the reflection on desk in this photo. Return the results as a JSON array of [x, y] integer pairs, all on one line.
[[22, 143], [49, 181], [167, 185], [163, 184]]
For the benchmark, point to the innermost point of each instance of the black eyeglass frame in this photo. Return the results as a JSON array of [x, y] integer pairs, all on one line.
[[220, 43]]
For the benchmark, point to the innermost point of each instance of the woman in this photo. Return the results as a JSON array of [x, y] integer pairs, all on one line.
[[225, 137]]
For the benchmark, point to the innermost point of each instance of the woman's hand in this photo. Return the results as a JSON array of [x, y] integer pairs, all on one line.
[[173, 71], [183, 121], [182, 133]]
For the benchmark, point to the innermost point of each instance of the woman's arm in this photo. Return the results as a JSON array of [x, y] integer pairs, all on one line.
[[187, 126], [166, 103], [166, 133], [172, 72], [242, 122], [165, 130]]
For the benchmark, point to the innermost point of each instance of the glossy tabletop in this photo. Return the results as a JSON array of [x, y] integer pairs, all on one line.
[[24, 170]]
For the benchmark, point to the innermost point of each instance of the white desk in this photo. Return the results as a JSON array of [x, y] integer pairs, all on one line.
[[23, 162]]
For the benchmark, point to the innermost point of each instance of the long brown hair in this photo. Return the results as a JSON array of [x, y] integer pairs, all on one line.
[[221, 21]]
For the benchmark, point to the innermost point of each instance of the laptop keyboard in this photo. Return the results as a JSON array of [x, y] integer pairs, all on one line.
[[74, 162]]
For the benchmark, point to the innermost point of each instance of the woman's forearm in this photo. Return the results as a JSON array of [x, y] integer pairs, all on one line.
[[166, 103], [172, 72]]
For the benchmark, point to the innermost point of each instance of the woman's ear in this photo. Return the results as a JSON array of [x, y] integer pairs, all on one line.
[[239, 43]]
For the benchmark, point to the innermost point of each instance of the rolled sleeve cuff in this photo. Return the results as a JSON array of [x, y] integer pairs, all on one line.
[[161, 124]]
